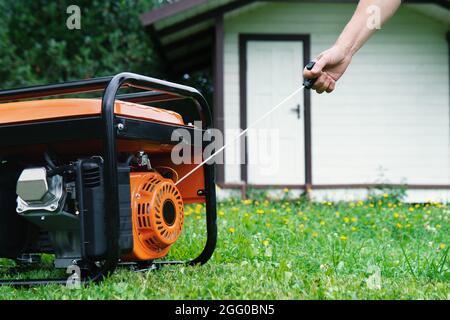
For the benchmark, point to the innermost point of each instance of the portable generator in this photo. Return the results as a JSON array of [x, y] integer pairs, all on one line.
[[91, 181]]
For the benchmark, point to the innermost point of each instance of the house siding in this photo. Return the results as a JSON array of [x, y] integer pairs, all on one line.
[[389, 118]]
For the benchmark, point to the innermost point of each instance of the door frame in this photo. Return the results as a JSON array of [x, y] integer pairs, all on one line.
[[305, 39]]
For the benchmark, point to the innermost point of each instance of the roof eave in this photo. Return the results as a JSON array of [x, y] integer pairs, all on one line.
[[169, 10]]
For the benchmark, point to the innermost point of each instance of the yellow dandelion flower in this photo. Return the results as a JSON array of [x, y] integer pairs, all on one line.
[[231, 230], [396, 215], [322, 222], [273, 210], [300, 213], [285, 190], [286, 221], [221, 213], [268, 225], [315, 234], [259, 211], [305, 218], [338, 214], [411, 209], [371, 205], [438, 226], [265, 243], [246, 215], [389, 205], [343, 238], [354, 219], [442, 246], [302, 226], [346, 220], [354, 229], [399, 225], [385, 195]]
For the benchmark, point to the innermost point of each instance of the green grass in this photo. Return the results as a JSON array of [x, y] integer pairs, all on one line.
[[291, 249]]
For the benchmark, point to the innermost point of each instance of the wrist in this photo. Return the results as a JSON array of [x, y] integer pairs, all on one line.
[[347, 50]]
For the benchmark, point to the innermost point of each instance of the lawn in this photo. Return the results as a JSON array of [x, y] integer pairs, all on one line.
[[294, 249]]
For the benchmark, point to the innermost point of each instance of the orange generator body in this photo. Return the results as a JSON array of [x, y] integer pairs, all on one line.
[[92, 181]]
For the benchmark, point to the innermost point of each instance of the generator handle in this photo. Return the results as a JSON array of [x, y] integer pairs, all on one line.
[[110, 129], [157, 90], [160, 90]]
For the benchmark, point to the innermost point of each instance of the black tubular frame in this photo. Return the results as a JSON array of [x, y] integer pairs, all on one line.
[[155, 91]]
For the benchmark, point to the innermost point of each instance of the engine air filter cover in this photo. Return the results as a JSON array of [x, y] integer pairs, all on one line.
[[157, 210]]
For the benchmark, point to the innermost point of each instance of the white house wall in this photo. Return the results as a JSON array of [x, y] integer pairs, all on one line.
[[389, 117]]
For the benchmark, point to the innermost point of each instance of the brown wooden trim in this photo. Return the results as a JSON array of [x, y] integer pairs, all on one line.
[[307, 115], [448, 44], [274, 186], [218, 74], [169, 10], [339, 186], [381, 185], [241, 186], [305, 39], [212, 14], [243, 103]]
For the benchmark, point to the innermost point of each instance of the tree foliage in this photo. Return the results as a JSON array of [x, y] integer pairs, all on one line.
[[36, 46]]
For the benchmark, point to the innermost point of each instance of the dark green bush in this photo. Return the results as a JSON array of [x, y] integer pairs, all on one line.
[[36, 46]]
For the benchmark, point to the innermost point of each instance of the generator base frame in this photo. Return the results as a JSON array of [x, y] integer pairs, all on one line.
[[109, 127]]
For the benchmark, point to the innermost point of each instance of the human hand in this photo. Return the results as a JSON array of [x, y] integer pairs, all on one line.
[[329, 66]]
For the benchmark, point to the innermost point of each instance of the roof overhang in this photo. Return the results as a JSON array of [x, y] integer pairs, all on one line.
[[183, 32]]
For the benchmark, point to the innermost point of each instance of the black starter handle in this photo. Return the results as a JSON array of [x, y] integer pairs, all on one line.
[[309, 83]]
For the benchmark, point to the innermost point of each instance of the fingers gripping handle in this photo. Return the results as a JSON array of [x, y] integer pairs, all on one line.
[[308, 83]]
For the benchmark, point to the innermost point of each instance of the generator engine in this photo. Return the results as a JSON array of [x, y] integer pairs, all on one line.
[[93, 182], [61, 210]]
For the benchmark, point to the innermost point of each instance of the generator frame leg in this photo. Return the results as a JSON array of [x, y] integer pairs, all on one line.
[[155, 90]]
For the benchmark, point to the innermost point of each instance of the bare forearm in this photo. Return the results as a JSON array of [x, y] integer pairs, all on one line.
[[359, 29], [331, 64]]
